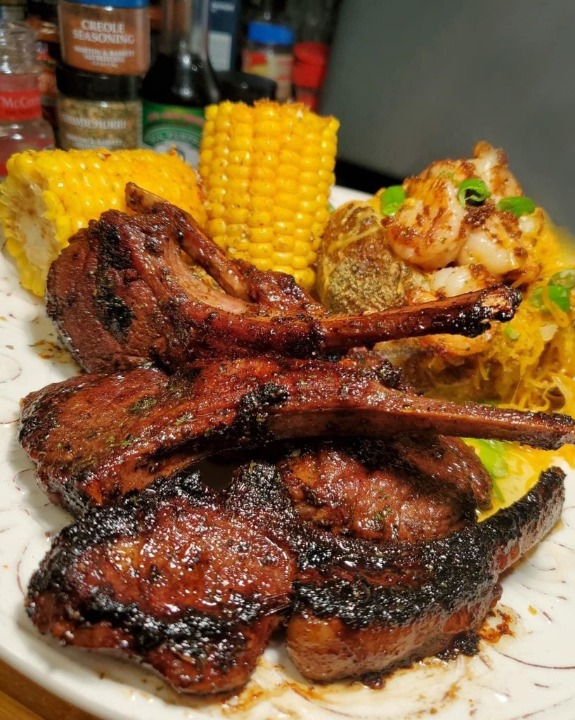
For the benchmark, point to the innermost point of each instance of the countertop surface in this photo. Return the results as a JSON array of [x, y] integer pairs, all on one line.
[[22, 699]]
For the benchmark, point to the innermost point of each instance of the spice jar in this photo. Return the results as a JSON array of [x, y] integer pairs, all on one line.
[[106, 36], [269, 53], [96, 110]]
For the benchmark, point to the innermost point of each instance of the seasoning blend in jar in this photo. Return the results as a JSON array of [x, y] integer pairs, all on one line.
[[98, 110], [269, 52], [22, 126], [106, 36], [181, 81]]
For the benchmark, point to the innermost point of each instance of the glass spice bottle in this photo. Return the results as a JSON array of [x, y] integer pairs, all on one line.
[[181, 82], [106, 36], [98, 111], [21, 123]]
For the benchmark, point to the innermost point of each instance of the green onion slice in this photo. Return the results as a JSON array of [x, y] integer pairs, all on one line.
[[511, 332], [536, 298], [519, 206], [492, 455], [391, 200], [472, 191], [564, 278], [561, 296]]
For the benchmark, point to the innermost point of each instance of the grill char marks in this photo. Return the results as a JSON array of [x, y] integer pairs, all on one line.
[[171, 579], [138, 300], [96, 437], [193, 582], [364, 607]]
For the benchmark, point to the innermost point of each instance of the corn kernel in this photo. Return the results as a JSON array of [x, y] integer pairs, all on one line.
[[275, 186], [50, 194]]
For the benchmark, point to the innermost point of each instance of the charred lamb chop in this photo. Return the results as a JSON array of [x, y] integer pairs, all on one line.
[[122, 294], [97, 437], [192, 583]]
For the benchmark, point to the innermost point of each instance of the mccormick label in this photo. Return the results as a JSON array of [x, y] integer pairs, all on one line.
[[174, 126], [20, 105]]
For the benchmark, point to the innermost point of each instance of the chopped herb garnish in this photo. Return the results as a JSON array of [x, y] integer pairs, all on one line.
[[511, 333], [141, 406], [536, 298], [492, 455], [557, 291], [472, 191], [391, 200], [519, 205], [564, 278], [561, 296]]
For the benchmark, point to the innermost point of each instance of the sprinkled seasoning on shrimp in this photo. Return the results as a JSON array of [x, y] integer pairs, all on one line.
[[468, 213]]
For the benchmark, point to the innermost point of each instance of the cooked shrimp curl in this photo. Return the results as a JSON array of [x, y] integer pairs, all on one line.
[[437, 227]]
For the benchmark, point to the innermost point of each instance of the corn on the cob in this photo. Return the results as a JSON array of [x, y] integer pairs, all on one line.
[[267, 172], [49, 195]]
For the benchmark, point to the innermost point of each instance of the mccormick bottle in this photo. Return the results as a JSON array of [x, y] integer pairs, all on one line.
[[21, 123], [180, 82]]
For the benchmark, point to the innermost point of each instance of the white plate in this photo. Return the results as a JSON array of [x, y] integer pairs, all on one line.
[[528, 674]]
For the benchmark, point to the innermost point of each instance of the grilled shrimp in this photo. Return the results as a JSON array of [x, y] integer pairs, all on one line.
[[433, 229]]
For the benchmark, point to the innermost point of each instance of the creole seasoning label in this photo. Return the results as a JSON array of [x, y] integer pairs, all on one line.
[[117, 45], [173, 126], [20, 105]]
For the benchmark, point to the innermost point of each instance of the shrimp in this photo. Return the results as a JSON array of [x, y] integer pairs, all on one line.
[[434, 229]]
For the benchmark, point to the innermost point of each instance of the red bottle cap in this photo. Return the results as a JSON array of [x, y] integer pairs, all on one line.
[[310, 64]]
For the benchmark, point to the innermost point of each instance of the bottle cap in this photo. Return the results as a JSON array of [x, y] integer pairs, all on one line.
[[310, 64], [83, 85], [113, 3], [270, 34], [245, 87]]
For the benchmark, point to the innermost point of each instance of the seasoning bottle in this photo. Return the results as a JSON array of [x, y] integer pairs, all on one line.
[[269, 52], [181, 81], [106, 36], [21, 123], [98, 111]]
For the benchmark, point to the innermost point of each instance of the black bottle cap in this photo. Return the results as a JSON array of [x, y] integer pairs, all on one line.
[[83, 85], [245, 87]]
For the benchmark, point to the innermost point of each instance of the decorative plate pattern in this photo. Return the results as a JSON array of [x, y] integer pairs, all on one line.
[[528, 673]]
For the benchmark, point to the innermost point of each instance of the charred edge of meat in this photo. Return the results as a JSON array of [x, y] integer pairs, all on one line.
[[454, 568], [100, 524], [193, 633], [493, 304]]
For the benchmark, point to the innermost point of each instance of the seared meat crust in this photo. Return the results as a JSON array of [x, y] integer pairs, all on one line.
[[402, 489], [170, 578], [97, 437], [122, 294], [362, 606], [192, 582]]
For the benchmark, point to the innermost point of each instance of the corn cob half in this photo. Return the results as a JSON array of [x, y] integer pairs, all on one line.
[[267, 172], [48, 195]]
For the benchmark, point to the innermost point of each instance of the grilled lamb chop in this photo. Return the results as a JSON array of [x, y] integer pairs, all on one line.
[[122, 294], [192, 583], [171, 578], [97, 437], [363, 607], [403, 488]]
